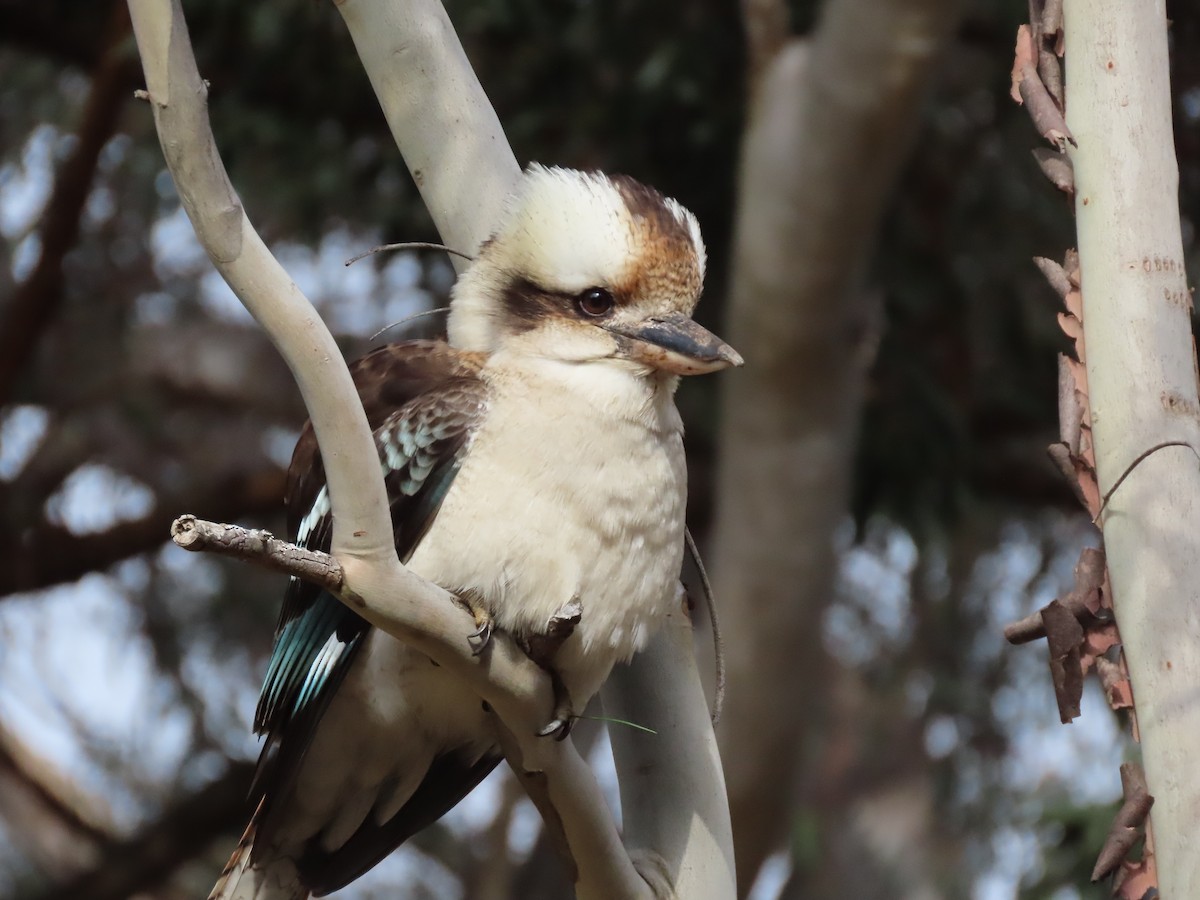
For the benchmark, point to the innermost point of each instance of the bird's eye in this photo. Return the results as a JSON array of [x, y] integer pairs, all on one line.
[[595, 302]]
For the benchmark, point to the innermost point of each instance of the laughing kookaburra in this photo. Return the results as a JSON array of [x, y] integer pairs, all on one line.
[[535, 460]]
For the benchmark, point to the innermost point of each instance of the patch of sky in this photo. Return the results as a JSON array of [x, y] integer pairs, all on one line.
[[95, 497], [114, 152], [941, 736], [772, 878], [1189, 103], [1017, 855], [423, 876], [228, 683], [25, 186], [101, 205], [278, 444], [219, 301], [174, 247], [189, 577], [155, 308], [25, 256], [80, 685], [21, 430], [873, 596]]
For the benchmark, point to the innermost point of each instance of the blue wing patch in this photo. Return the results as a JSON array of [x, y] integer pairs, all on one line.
[[420, 448]]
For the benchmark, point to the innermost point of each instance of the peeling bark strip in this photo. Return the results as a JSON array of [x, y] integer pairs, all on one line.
[[1057, 167], [1083, 602], [1029, 89], [1080, 635], [1126, 828], [1064, 635]]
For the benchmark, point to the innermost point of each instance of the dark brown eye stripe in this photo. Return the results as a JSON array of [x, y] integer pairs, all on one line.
[[526, 303]]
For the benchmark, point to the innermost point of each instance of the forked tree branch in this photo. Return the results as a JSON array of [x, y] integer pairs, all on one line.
[[675, 811], [440, 117], [377, 586]]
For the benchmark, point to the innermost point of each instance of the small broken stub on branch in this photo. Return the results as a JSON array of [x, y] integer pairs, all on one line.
[[1081, 635]]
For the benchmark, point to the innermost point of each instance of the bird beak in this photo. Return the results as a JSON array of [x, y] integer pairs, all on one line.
[[673, 344]]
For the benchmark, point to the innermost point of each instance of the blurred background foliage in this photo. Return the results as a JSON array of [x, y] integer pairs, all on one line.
[[145, 392]]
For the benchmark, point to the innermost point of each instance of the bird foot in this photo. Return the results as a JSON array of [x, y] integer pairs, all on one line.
[[481, 637], [541, 646], [485, 624], [563, 718]]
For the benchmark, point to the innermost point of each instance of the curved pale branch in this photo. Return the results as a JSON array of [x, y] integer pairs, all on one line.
[[675, 812], [376, 585], [440, 117]]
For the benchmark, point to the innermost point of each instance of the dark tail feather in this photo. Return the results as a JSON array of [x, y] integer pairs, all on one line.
[[270, 879]]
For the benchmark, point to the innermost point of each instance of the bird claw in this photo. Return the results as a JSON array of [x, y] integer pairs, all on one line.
[[563, 718], [481, 637], [559, 728]]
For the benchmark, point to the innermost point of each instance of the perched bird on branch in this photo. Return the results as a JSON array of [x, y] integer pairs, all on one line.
[[533, 464]]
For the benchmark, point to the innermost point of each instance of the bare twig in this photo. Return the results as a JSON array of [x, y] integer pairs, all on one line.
[[423, 314], [261, 547], [1138, 460], [1081, 601], [48, 554], [714, 621], [409, 245]]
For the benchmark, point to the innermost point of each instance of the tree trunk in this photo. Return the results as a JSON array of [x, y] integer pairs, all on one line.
[[1142, 388], [830, 122]]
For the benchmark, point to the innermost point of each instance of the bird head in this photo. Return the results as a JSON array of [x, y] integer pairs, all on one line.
[[588, 267]]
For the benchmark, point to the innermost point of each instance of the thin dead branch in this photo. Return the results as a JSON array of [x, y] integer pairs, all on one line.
[[260, 547], [36, 301], [49, 554]]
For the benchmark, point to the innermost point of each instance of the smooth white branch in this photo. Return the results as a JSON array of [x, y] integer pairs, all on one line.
[[382, 590], [1142, 391], [676, 815]]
